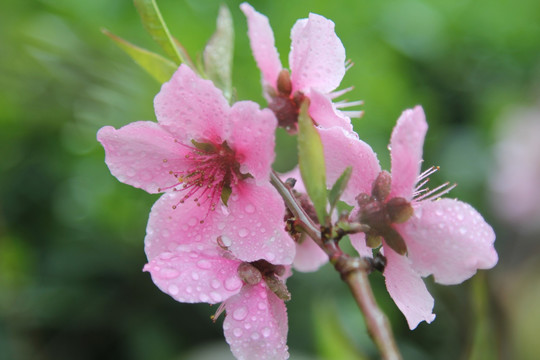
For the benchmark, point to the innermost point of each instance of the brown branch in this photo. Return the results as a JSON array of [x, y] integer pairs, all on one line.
[[353, 270]]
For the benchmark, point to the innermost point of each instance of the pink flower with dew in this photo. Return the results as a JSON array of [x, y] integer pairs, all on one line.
[[309, 256], [317, 63], [251, 293], [421, 235], [213, 159]]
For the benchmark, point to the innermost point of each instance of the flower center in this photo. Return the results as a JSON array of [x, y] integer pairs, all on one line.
[[379, 214], [213, 172], [285, 104]]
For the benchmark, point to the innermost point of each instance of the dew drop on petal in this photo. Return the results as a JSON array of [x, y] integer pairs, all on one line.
[[215, 284], [240, 313], [192, 221], [216, 296], [237, 332], [226, 241], [204, 264], [266, 332], [195, 276], [462, 230], [233, 283], [250, 209], [270, 256], [189, 289], [173, 289], [204, 297], [169, 273], [261, 306], [243, 232], [255, 336]]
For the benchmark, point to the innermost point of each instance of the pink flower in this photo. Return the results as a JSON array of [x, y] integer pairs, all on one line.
[[317, 62], [212, 159], [252, 293], [421, 235]]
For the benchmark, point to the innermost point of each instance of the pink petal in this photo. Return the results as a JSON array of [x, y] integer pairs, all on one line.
[[256, 324], [407, 289], [309, 256], [343, 149], [255, 227], [142, 154], [253, 138], [325, 114], [195, 276], [317, 57], [358, 242], [170, 227], [406, 150], [449, 239], [192, 108], [261, 39]]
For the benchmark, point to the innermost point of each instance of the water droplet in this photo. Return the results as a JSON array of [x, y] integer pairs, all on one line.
[[189, 289], [240, 313], [237, 332], [165, 233], [250, 209], [193, 255], [462, 230], [439, 213], [243, 232], [233, 283], [247, 326], [221, 226], [192, 221], [173, 289], [195, 276], [261, 306], [460, 216], [226, 241], [263, 294], [216, 296], [270, 256], [266, 332], [204, 297], [204, 264], [166, 255], [169, 273], [255, 336], [215, 284]]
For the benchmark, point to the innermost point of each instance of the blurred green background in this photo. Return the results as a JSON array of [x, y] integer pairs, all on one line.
[[71, 235]]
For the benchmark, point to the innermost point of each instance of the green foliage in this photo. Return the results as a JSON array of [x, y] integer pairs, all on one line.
[[156, 27], [311, 162], [338, 188], [218, 53], [156, 65]]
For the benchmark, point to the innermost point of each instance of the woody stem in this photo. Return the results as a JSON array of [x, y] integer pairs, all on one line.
[[354, 271]]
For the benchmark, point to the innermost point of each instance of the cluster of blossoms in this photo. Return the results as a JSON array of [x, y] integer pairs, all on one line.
[[218, 233]]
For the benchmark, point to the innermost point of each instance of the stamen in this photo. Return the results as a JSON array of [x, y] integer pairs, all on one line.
[[348, 64], [428, 172], [437, 192], [353, 114], [338, 93], [346, 104], [219, 311]]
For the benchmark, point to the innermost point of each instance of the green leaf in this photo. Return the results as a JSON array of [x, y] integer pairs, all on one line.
[[218, 53], [156, 65], [311, 161], [339, 186], [155, 25]]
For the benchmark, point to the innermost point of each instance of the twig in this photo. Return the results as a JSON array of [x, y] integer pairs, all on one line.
[[353, 270]]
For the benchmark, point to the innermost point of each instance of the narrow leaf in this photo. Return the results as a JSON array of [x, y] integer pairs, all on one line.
[[218, 53], [155, 25], [311, 161], [339, 186], [156, 65]]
